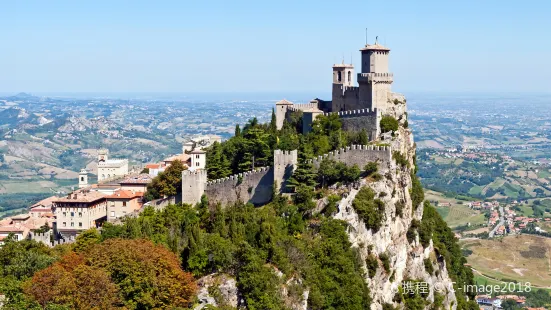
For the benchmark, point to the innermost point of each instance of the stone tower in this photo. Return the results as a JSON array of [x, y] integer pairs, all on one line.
[[103, 155], [285, 162], [375, 80], [281, 111], [342, 79], [83, 178], [193, 185]]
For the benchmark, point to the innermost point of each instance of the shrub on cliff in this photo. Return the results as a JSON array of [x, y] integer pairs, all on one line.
[[388, 123], [369, 209]]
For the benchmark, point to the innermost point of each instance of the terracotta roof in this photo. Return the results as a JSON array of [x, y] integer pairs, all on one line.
[[45, 202], [12, 228], [137, 179], [40, 209], [181, 157], [82, 196], [125, 194], [152, 166]]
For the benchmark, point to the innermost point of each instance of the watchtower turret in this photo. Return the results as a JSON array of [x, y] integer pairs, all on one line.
[[375, 80]]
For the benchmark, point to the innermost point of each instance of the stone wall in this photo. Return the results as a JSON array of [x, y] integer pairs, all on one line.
[[361, 119], [254, 187], [360, 155]]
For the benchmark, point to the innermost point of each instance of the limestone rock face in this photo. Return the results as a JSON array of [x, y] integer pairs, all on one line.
[[218, 290], [406, 260]]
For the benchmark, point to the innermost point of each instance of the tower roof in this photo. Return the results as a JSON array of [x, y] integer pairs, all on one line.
[[343, 65], [284, 101], [374, 47]]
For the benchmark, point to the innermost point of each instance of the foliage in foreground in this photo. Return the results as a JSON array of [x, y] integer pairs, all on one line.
[[252, 243], [117, 273]]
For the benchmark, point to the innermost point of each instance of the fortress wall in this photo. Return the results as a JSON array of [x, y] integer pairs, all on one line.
[[360, 119], [360, 155], [255, 187], [303, 106]]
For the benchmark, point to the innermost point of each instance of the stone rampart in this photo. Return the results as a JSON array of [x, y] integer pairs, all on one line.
[[253, 186], [359, 155]]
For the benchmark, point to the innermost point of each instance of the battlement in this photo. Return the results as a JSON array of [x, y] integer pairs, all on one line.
[[312, 105], [358, 155], [200, 172], [283, 158], [377, 77], [354, 113], [239, 175]]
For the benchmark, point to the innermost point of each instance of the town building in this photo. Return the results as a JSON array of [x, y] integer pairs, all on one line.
[[136, 183], [198, 160], [122, 203], [109, 169], [79, 211]]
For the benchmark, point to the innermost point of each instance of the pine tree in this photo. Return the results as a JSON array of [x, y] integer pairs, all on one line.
[[237, 131], [273, 126]]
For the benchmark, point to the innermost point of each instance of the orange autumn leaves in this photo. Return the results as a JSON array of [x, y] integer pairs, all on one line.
[[117, 273]]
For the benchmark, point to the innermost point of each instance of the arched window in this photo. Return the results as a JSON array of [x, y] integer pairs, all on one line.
[[339, 76], [349, 76]]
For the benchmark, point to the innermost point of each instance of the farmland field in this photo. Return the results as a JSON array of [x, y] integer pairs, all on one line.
[[521, 258]]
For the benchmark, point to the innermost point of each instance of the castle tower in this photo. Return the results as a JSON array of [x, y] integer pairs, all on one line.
[[285, 163], [83, 178], [103, 155], [342, 78], [281, 111], [193, 185], [375, 80]]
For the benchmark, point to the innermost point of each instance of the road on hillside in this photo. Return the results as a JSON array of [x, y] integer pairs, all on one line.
[[501, 222]]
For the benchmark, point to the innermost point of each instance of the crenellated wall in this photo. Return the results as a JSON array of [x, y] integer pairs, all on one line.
[[253, 186], [359, 155], [361, 119]]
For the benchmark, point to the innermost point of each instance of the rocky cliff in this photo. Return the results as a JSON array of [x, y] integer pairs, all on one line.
[[389, 245]]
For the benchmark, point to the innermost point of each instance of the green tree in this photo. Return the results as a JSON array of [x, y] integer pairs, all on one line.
[[218, 166], [304, 175], [168, 182], [388, 123], [237, 131], [369, 209], [87, 239]]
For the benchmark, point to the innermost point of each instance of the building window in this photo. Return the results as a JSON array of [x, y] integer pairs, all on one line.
[[349, 76], [112, 213], [72, 224], [64, 213], [124, 203], [64, 224], [339, 78], [80, 214], [82, 179], [72, 214], [80, 224], [123, 212]]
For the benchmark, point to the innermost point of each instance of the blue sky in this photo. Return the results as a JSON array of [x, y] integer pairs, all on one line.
[[272, 46]]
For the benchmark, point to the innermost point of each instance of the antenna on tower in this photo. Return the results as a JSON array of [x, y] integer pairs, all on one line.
[[365, 36]]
